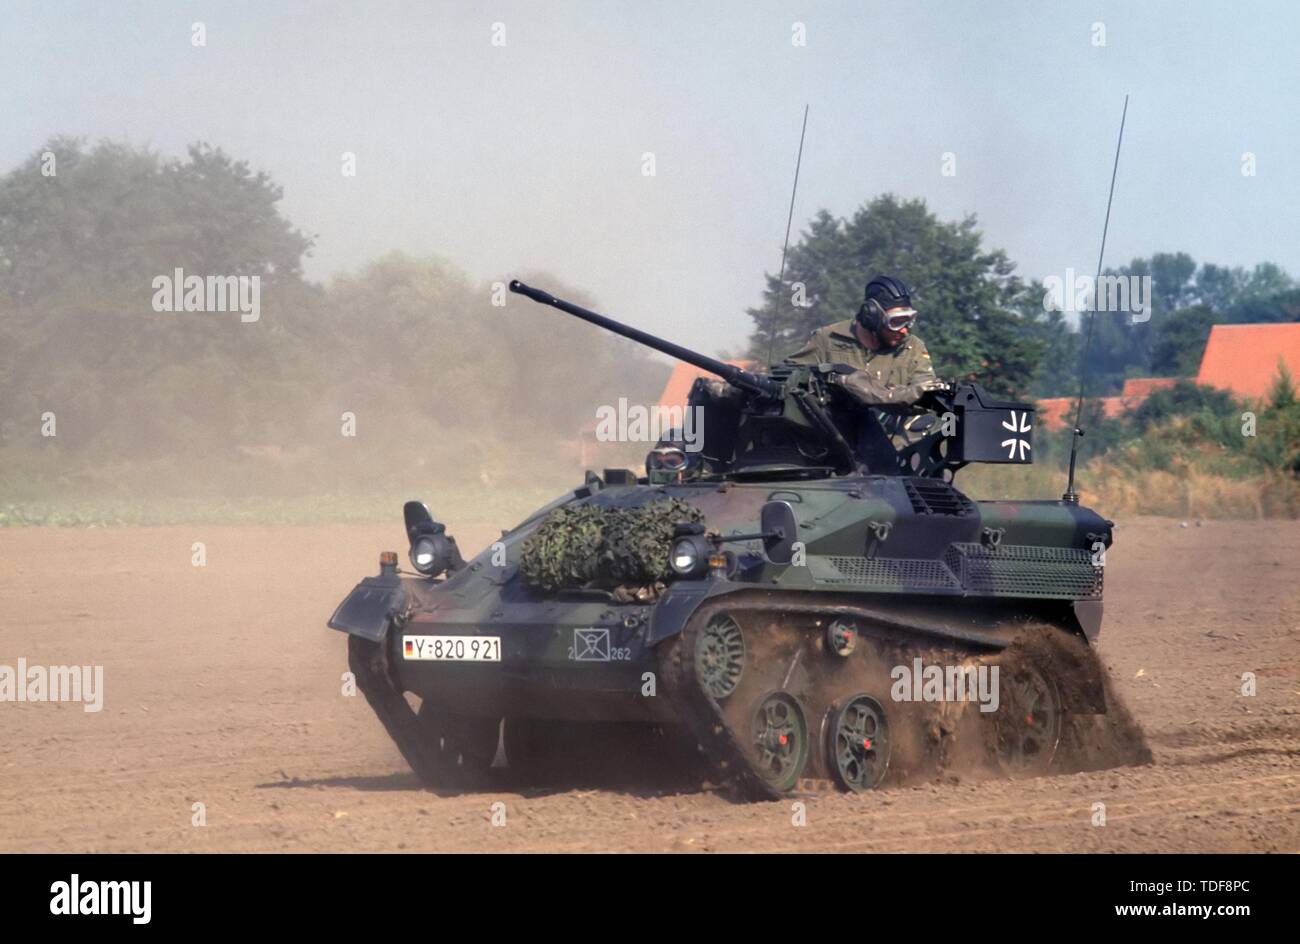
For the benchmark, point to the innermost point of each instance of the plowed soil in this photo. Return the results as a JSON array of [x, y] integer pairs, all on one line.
[[222, 687]]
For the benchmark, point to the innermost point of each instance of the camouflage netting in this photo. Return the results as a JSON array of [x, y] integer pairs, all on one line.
[[620, 549]]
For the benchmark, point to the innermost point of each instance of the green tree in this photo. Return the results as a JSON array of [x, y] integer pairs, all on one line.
[[1280, 307], [1186, 300], [1058, 368], [1219, 287], [443, 381], [79, 252], [1122, 346], [976, 317], [1267, 280], [1180, 341], [1281, 395], [415, 335]]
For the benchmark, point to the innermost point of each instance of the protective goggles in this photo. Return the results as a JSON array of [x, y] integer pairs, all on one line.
[[898, 318], [668, 458]]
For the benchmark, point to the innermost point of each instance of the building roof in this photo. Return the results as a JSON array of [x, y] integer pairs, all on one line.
[[1243, 359], [1139, 388], [1058, 412], [1054, 412], [678, 387]]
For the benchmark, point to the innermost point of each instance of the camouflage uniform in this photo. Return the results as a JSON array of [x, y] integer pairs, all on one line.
[[882, 377]]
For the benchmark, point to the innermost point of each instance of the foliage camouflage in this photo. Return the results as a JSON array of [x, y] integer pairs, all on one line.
[[609, 548]]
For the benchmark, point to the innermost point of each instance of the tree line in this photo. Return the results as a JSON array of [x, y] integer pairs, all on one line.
[[409, 368], [403, 371], [983, 322]]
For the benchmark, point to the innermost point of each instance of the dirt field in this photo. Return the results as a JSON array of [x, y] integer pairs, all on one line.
[[222, 687]]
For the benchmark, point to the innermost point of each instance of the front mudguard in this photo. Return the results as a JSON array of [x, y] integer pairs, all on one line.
[[369, 609], [674, 609]]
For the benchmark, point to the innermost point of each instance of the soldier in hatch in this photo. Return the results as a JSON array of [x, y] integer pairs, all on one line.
[[884, 364], [880, 364], [670, 462]]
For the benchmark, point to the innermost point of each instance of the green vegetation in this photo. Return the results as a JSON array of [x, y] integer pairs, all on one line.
[[1183, 449], [978, 319], [410, 379], [982, 322], [406, 377], [1186, 301], [1188, 450]]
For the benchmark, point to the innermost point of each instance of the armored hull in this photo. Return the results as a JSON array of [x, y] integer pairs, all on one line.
[[890, 568], [806, 598]]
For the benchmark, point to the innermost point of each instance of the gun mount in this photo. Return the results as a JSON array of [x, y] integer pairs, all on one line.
[[791, 421], [728, 372]]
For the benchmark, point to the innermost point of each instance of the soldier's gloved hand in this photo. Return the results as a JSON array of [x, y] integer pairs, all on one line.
[[835, 373]]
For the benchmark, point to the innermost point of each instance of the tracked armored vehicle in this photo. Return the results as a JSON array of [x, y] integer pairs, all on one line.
[[809, 602]]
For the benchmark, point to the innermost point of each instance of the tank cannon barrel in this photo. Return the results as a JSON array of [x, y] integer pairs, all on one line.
[[731, 374]]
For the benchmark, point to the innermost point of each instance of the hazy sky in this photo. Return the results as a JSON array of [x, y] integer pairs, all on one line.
[[529, 155]]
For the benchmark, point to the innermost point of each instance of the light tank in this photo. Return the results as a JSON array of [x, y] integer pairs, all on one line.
[[799, 599]]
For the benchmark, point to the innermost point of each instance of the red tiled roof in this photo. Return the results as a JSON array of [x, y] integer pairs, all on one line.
[[1243, 359], [678, 387], [1058, 412], [1113, 406], [1139, 388], [1055, 412]]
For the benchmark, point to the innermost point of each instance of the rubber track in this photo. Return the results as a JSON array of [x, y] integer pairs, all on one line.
[[704, 719], [367, 661], [725, 755]]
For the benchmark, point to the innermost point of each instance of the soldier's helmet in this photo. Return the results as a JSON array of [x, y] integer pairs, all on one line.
[[887, 304]]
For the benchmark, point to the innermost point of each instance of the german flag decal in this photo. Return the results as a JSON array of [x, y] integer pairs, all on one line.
[[410, 647]]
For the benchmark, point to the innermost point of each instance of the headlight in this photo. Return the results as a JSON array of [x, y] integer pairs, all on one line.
[[690, 557], [428, 555], [422, 555]]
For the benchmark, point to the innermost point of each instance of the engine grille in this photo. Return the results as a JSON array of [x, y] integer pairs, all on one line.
[[1026, 571], [1011, 570], [894, 573], [936, 497]]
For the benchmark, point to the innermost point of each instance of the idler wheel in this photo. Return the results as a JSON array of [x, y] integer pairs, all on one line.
[[720, 656], [780, 740], [1028, 722], [859, 743]]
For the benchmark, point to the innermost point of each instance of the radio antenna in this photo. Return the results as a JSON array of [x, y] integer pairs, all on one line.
[[771, 334], [1070, 494]]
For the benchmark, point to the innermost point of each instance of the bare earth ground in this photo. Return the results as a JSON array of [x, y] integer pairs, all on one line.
[[222, 686]]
